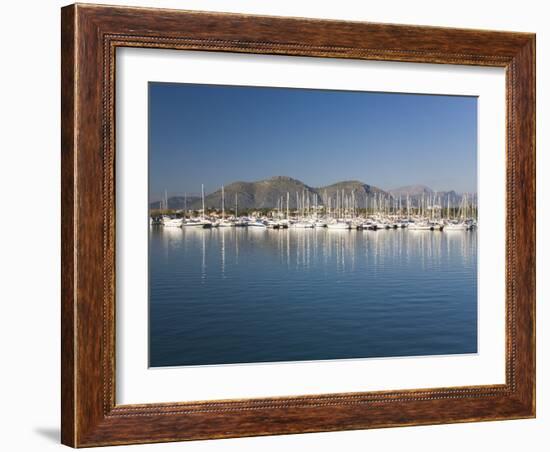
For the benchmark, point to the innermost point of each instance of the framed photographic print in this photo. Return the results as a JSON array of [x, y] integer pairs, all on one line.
[[281, 225]]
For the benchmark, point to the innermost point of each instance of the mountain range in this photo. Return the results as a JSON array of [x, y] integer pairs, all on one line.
[[267, 193], [415, 193]]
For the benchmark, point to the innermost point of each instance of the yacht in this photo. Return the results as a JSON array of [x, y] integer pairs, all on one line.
[[420, 226], [197, 223], [172, 222], [456, 226], [240, 222], [303, 225], [259, 224], [339, 225], [368, 225]]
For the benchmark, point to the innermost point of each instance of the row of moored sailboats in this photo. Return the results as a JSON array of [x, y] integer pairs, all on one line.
[[342, 214]]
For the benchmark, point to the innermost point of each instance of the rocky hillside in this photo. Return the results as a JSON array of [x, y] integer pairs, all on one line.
[[260, 194], [268, 193]]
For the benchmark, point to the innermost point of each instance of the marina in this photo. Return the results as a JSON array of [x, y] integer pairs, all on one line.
[[319, 279], [380, 212]]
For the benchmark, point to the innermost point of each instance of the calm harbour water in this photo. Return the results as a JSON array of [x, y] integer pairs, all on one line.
[[243, 295]]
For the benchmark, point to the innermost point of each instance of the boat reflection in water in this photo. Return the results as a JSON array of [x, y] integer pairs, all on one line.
[[248, 295]]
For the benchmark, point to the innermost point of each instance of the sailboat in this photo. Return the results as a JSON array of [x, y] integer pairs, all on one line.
[[167, 220], [257, 223], [223, 223], [462, 224], [303, 225], [457, 226], [186, 222], [339, 225], [172, 222], [420, 226], [202, 221], [239, 222]]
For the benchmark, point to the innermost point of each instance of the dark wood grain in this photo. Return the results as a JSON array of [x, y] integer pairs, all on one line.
[[68, 310], [90, 36]]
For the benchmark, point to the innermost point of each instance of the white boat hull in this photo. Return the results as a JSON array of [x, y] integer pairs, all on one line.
[[172, 223], [303, 225], [419, 227], [456, 227], [257, 225], [338, 226]]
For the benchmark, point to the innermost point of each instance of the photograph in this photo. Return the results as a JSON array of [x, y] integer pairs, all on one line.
[[293, 224]]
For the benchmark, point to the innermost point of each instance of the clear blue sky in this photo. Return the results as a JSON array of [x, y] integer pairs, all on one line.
[[221, 134]]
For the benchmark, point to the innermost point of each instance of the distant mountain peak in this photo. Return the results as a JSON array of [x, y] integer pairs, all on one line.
[[411, 190], [350, 182], [283, 179]]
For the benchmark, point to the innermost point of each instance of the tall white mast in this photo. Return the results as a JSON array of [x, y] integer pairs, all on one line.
[[185, 204], [202, 194], [223, 203], [287, 204]]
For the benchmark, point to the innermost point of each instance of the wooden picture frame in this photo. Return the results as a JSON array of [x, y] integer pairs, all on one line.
[[90, 36]]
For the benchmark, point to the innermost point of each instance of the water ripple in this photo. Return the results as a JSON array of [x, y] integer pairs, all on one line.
[[233, 295]]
